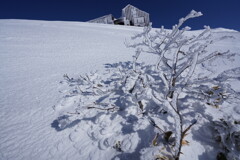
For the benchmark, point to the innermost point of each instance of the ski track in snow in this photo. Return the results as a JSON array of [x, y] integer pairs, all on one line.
[[34, 55]]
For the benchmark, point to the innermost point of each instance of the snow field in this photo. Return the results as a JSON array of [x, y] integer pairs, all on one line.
[[34, 56]]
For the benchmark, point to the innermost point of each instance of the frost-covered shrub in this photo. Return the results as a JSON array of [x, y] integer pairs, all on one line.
[[133, 105], [180, 56]]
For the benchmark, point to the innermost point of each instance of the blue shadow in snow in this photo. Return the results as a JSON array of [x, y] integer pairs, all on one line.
[[63, 122]]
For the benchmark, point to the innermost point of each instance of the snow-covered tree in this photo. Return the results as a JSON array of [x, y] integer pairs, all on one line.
[[179, 56]]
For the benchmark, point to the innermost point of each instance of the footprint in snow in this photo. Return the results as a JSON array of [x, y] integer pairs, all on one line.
[[75, 136]]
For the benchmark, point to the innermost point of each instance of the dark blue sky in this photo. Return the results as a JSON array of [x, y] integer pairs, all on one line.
[[217, 13]]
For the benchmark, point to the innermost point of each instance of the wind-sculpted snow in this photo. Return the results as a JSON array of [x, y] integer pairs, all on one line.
[[38, 114]]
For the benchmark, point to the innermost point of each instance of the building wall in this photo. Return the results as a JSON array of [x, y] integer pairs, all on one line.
[[136, 16], [108, 19]]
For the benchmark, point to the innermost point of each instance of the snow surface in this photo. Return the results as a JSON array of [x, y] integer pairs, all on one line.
[[34, 56]]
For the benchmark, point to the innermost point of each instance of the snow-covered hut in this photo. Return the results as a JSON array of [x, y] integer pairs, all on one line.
[[131, 16]]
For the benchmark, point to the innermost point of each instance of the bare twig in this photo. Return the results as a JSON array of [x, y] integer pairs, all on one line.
[[114, 108]]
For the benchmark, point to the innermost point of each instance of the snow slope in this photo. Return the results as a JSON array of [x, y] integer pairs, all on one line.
[[34, 55]]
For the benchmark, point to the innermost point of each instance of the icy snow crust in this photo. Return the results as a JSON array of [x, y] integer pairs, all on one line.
[[34, 56]]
